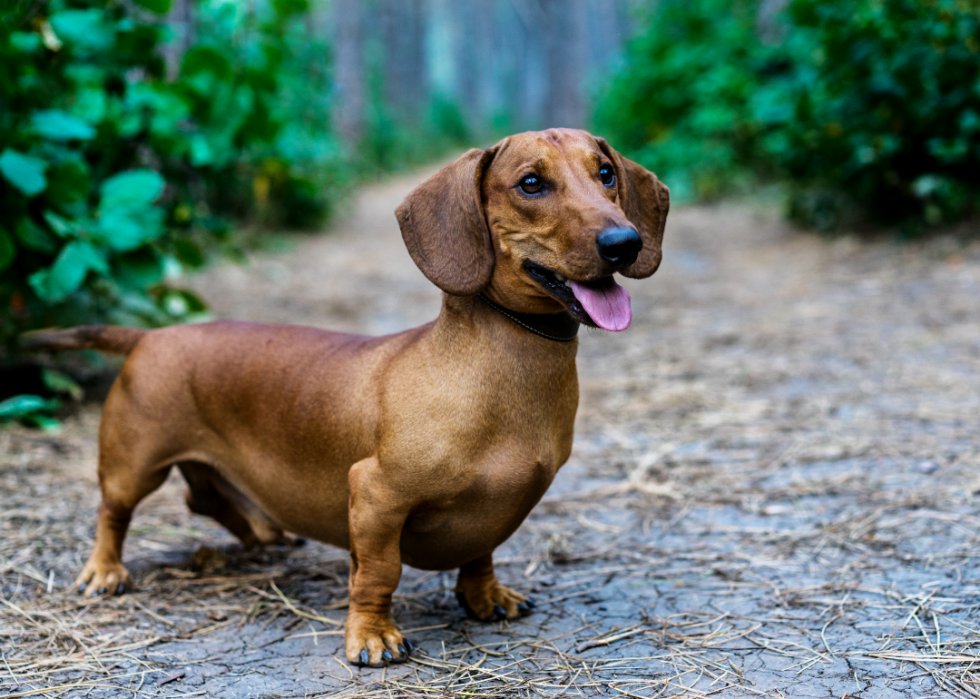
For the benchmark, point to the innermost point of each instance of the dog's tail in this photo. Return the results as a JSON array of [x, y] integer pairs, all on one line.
[[107, 338]]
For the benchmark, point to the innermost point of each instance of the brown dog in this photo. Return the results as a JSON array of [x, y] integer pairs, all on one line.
[[428, 447]]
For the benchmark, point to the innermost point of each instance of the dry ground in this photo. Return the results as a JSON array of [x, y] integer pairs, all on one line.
[[772, 494]]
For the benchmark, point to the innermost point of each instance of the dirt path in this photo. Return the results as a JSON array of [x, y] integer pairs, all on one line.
[[771, 494]]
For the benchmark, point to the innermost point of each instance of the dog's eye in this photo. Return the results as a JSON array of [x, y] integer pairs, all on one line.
[[607, 176], [530, 184]]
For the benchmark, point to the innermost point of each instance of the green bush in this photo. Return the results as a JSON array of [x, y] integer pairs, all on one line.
[[114, 179], [259, 86], [83, 234], [389, 144], [679, 103], [37, 411], [885, 109], [868, 106]]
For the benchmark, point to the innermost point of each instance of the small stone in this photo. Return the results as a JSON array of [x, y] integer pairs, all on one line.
[[208, 561]]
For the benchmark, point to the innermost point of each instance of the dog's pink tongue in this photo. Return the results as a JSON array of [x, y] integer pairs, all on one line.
[[606, 302]]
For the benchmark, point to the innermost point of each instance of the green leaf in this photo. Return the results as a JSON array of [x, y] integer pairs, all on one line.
[[131, 189], [86, 29], [129, 123], [288, 8], [47, 424], [138, 270], [57, 125], [26, 404], [120, 231], [35, 238], [68, 183], [8, 251], [161, 7], [127, 229], [25, 42], [204, 59], [86, 74], [127, 217], [24, 172], [62, 226], [181, 303], [135, 309], [91, 105], [201, 152], [56, 382], [189, 252], [68, 272]]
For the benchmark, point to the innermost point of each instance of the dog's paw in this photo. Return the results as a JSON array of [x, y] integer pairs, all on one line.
[[492, 602], [103, 579], [373, 641]]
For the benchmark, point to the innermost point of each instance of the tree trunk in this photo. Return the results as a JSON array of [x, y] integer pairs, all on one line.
[[565, 37], [768, 22], [349, 73], [180, 19], [403, 68]]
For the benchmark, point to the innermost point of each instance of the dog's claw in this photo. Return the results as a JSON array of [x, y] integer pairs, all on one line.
[[530, 603], [492, 605], [371, 640], [461, 598], [100, 579], [409, 645]]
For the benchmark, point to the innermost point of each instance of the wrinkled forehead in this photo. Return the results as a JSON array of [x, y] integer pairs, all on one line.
[[546, 153]]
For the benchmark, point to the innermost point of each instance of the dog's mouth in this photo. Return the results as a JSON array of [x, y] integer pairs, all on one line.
[[601, 303]]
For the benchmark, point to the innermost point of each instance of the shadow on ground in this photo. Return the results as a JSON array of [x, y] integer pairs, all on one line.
[[771, 494]]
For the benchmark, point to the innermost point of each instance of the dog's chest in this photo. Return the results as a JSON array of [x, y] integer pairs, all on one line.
[[492, 501]]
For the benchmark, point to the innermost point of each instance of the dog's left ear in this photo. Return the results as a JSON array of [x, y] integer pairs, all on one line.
[[645, 200], [445, 229]]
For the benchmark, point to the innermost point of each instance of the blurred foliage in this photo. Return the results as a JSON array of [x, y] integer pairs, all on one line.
[[259, 84], [38, 411], [679, 102], [35, 411], [113, 179], [391, 143], [864, 106]]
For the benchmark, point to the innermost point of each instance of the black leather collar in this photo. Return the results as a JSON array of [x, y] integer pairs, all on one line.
[[560, 327]]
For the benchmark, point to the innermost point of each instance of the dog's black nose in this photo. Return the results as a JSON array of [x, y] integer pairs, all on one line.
[[619, 246]]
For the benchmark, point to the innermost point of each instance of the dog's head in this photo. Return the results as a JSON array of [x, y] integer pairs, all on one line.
[[540, 222]]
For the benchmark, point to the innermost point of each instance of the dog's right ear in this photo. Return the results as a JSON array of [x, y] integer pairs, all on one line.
[[645, 201], [445, 229]]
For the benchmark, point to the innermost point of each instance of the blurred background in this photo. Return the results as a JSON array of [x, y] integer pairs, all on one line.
[[144, 139]]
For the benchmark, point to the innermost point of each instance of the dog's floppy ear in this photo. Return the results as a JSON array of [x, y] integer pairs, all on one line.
[[645, 200], [445, 229]]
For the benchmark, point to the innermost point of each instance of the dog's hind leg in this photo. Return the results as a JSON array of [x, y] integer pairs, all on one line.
[[121, 492], [482, 596], [204, 498], [210, 494], [132, 464]]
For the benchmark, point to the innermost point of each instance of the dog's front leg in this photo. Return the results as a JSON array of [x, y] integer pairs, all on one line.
[[376, 516], [483, 597]]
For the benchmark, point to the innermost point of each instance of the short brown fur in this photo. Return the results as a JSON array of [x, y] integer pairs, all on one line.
[[428, 447]]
